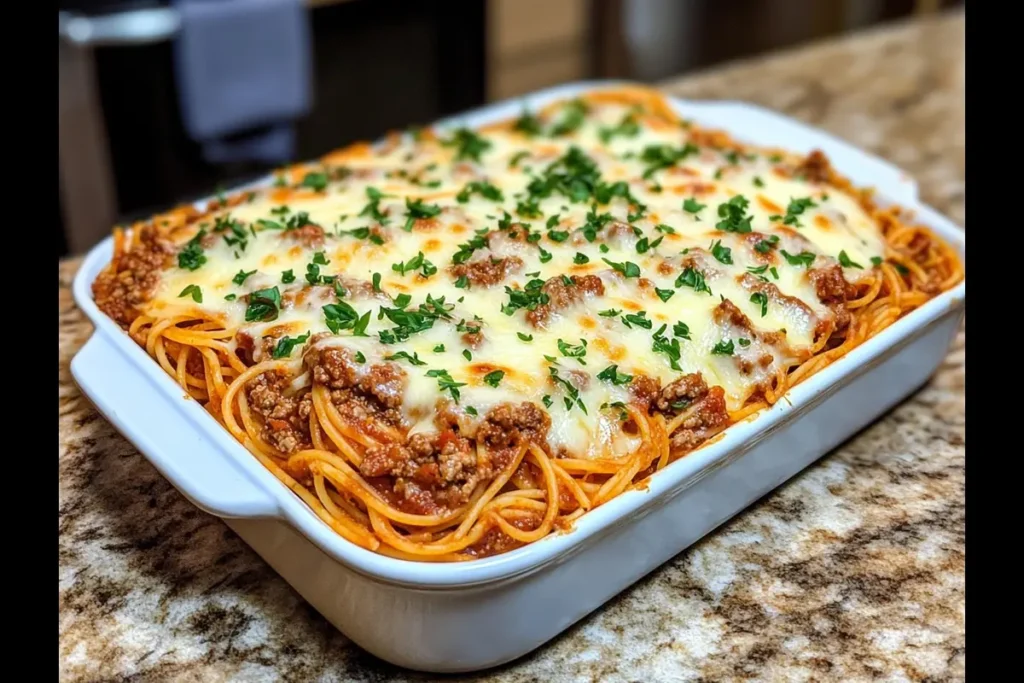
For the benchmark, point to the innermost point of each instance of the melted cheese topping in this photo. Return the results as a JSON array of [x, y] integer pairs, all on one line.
[[675, 214]]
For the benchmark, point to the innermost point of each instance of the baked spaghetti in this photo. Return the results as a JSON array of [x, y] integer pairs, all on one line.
[[454, 343]]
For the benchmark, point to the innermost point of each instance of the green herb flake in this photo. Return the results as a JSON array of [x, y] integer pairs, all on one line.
[[194, 291], [627, 268], [846, 262], [611, 374], [721, 254], [760, 299], [724, 348], [285, 345]]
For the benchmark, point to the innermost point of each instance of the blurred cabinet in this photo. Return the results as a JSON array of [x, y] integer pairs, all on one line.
[[532, 44]]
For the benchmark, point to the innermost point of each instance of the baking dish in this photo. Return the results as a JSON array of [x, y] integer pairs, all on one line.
[[460, 617]]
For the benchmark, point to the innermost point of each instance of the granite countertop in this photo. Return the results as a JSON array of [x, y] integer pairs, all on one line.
[[852, 571]]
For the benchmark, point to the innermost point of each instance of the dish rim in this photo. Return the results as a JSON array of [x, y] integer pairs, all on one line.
[[597, 523]]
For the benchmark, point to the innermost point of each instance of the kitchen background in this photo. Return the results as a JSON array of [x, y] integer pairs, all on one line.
[[128, 103]]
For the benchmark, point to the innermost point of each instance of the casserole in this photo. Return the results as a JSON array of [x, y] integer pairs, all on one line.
[[750, 458]]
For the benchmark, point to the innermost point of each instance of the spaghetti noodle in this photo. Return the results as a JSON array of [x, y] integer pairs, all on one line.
[[455, 343]]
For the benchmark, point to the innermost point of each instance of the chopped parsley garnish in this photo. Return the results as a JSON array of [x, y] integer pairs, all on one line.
[[577, 351], [580, 259], [765, 245], [295, 222], [681, 330], [494, 378], [482, 188], [439, 348], [470, 410], [721, 254], [794, 210], [804, 258], [691, 205], [468, 145], [627, 128], [658, 157], [643, 245], [732, 215], [417, 262], [408, 323], [467, 248], [612, 374], [573, 394], [414, 359], [846, 262], [264, 305], [530, 297], [693, 278], [241, 276], [372, 209], [723, 348], [667, 229], [364, 233], [545, 255], [547, 400], [341, 316], [194, 291], [415, 210], [639, 319], [230, 297], [268, 225], [528, 124], [558, 235], [670, 348], [876, 261], [315, 181], [743, 342], [627, 268], [360, 358], [467, 354], [758, 182], [610, 313], [664, 294], [462, 282], [524, 337], [760, 299], [445, 382], [573, 115], [285, 345], [192, 256], [517, 157]]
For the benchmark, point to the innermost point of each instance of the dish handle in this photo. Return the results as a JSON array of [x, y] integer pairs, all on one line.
[[159, 426]]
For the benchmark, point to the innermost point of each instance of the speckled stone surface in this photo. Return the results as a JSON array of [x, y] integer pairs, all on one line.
[[852, 571]]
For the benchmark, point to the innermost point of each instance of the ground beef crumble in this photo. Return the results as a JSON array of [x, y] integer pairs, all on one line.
[[285, 417], [360, 394], [132, 280], [562, 296], [834, 291], [687, 393], [310, 235], [433, 472], [489, 271]]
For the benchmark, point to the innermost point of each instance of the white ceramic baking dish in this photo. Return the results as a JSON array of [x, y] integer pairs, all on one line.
[[468, 616]]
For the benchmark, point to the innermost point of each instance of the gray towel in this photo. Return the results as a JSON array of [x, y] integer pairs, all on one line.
[[244, 74]]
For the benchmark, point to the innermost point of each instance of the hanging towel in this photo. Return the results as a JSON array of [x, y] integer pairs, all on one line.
[[244, 74]]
